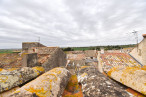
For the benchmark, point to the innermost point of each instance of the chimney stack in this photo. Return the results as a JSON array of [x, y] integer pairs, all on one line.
[[102, 50], [144, 35]]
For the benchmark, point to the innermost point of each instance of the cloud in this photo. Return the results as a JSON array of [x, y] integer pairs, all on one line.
[[71, 22]]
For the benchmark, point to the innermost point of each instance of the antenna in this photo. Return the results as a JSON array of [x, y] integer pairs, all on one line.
[[136, 37], [39, 39]]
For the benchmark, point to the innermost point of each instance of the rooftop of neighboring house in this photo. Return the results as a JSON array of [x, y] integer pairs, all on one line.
[[43, 53], [14, 60], [42, 58], [90, 53], [75, 52], [27, 45], [110, 60], [10, 60], [42, 50], [75, 56], [75, 62], [127, 50]]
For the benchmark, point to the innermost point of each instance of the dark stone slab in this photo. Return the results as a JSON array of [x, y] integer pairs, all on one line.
[[96, 84]]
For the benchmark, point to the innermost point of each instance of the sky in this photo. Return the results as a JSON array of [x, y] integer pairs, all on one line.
[[68, 23]]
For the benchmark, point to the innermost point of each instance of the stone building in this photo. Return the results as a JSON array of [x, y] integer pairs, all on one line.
[[139, 52], [28, 45], [17, 69], [48, 57]]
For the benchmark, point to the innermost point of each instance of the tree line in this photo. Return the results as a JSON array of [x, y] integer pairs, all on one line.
[[97, 48]]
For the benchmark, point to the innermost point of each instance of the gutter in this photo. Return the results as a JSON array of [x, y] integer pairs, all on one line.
[[135, 59]]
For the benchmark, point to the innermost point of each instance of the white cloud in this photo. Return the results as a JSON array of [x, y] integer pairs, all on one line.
[[71, 22]]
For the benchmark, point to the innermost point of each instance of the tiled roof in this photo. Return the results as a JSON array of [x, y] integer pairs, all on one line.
[[80, 62], [76, 56], [42, 58], [90, 53], [110, 60], [75, 52], [42, 50], [12, 60]]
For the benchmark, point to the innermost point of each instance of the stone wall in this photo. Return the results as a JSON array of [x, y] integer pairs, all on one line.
[[56, 59], [144, 51], [30, 60], [27, 45], [140, 52], [42, 50]]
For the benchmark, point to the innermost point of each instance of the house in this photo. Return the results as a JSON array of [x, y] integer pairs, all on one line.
[[91, 54], [139, 52], [48, 57]]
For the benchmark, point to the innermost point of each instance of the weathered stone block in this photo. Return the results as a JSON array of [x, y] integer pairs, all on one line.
[[7, 93], [50, 84], [17, 77], [134, 77]]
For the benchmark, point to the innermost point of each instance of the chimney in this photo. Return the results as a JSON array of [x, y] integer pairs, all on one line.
[[144, 35], [102, 50]]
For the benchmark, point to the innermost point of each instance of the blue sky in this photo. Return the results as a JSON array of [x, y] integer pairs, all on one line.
[[71, 22]]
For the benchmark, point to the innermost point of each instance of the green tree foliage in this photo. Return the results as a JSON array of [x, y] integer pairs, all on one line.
[[67, 49], [97, 48]]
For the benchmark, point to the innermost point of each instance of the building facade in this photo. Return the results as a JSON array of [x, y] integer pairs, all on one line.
[[139, 52]]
